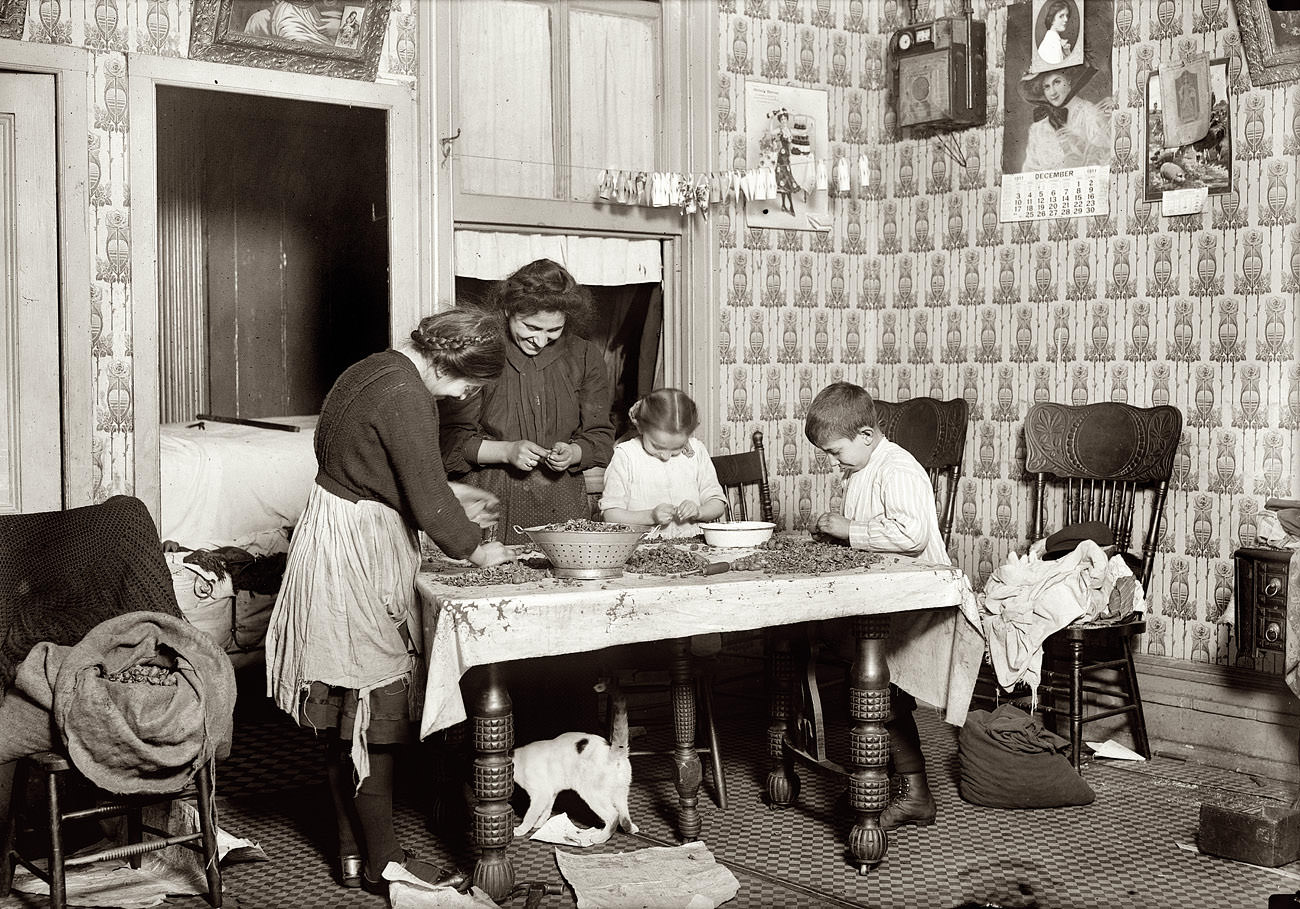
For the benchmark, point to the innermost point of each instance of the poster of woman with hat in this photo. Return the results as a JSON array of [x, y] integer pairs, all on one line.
[[1058, 118]]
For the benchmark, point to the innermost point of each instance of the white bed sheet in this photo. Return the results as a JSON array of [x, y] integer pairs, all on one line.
[[225, 484]]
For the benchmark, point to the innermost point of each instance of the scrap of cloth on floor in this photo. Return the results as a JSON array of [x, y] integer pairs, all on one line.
[[666, 877], [1028, 599]]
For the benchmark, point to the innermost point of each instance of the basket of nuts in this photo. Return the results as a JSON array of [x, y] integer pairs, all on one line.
[[588, 550]]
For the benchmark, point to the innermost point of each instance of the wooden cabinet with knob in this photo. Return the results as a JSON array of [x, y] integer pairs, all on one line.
[[1261, 601]]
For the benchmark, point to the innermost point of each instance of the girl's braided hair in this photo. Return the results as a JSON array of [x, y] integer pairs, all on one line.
[[465, 341], [545, 286], [667, 410]]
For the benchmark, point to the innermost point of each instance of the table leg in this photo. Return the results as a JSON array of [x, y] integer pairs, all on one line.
[[687, 759], [868, 741], [494, 779], [782, 781]]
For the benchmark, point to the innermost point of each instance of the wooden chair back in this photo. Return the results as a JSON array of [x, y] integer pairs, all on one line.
[[934, 432], [736, 472], [1108, 462]]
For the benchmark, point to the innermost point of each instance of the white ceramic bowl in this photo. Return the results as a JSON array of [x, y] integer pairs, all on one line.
[[738, 533]]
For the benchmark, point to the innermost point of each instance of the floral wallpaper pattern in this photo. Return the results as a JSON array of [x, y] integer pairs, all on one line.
[[920, 290], [113, 30]]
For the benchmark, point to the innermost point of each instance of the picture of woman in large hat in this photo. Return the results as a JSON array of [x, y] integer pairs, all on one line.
[[1066, 130]]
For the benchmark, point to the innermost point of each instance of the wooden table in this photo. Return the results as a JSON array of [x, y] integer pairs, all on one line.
[[484, 626]]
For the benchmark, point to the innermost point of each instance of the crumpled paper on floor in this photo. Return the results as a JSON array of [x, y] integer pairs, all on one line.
[[666, 877], [171, 871], [406, 891], [561, 829]]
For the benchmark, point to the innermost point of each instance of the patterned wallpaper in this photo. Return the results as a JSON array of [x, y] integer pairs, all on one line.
[[920, 290], [113, 30]]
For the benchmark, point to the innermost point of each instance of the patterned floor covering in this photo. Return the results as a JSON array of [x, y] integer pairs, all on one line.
[[1133, 847]]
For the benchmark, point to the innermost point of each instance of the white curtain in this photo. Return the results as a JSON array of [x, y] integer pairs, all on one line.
[[613, 88], [599, 261], [503, 110]]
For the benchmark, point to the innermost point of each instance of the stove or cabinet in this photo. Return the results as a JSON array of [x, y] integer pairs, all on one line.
[[1261, 601]]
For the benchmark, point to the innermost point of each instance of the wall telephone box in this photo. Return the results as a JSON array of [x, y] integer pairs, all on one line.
[[937, 75]]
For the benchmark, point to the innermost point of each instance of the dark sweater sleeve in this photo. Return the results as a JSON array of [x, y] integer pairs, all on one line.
[[595, 432], [460, 434], [410, 436]]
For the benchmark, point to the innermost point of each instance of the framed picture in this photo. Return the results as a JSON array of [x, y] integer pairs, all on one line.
[[1205, 162], [12, 14], [1271, 39], [339, 38]]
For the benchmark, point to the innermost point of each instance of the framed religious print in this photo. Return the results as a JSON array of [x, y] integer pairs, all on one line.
[[1205, 162], [1271, 39], [340, 38]]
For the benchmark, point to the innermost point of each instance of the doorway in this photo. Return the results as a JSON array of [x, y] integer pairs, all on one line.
[[273, 243]]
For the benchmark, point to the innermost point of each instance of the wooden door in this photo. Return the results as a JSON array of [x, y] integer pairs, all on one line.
[[30, 453]]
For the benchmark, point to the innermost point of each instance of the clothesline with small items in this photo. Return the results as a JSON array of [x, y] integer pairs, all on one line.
[[695, 191]]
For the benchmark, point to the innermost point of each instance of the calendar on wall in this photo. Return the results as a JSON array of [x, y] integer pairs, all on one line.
[[1072, 193]]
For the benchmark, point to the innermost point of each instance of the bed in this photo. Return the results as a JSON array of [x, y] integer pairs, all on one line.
[[227, 484]]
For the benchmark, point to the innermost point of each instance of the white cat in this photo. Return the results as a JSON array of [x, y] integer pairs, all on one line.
[[596, 770]]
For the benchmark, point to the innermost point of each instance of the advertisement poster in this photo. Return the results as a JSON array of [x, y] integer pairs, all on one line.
[[787, 134], [1057, 144]]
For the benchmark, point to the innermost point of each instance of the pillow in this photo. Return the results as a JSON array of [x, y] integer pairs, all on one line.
[[1008, 760]]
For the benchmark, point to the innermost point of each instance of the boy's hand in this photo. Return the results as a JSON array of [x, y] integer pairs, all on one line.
[[662, 514], [688, 511], [833, 525]]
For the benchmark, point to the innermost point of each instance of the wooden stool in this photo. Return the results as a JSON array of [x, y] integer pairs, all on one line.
[[54, 767]]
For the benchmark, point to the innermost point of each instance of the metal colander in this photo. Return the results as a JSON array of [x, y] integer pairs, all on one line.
[[586, 554]]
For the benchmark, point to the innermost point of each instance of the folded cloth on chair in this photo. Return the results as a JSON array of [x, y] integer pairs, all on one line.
[[141, 702], [64, 572], [1009, 760]]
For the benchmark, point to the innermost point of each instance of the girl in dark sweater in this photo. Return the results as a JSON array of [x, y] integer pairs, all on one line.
[[343, 644]]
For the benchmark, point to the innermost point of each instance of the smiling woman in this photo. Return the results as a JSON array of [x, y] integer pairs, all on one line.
[[528, 436]]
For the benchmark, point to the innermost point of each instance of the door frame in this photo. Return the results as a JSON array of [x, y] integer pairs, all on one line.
[[70, 68], [146, 74]]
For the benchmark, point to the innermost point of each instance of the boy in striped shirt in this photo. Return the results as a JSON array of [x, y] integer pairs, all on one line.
[[888, 507]]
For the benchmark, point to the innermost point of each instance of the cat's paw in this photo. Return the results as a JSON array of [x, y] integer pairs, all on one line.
[[521, 830]]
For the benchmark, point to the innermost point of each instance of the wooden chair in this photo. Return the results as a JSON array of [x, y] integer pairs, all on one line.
[[736, 472], [934, 432], [1107, 462]]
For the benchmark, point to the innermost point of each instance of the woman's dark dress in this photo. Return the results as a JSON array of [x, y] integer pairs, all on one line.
[[560, 395]]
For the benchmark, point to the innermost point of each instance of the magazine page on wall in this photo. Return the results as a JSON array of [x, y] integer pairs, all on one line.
[[788, 141], [1056, 141]]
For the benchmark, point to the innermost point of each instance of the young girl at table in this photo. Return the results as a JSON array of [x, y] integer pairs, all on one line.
[[888, 507], [663, 475]]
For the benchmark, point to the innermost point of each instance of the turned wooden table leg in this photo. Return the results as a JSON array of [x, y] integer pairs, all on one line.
[[782, 781], [868, 741], [687, 759], [494, 779]]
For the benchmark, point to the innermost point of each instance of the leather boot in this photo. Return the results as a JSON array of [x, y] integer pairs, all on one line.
[[913, 805]]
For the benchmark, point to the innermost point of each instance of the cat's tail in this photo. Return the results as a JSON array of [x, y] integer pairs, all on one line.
[[618, 732]]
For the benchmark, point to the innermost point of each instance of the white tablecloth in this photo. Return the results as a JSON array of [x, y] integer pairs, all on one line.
[[465, 627]]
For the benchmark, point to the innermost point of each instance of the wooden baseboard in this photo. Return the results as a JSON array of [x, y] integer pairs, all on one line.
[[1237, 719]]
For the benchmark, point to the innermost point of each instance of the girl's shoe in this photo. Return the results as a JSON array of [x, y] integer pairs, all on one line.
[[350, 870], [437, 875]]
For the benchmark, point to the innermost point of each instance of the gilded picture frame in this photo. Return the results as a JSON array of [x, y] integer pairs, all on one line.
[[1271, 40], [341, 38], [12, 16]]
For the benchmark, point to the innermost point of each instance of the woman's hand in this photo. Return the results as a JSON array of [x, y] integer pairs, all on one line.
[[562, 454], [525, 454], [481, 506], [663, 514], [688, 511], [490, 553]]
